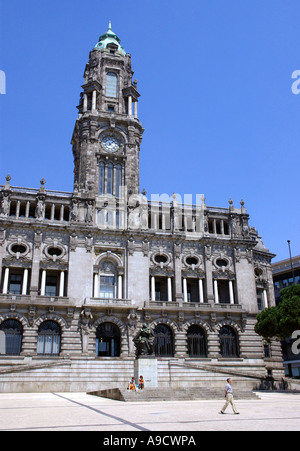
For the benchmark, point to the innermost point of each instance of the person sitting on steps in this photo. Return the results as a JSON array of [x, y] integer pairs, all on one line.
[[131, 384], [141, 383]]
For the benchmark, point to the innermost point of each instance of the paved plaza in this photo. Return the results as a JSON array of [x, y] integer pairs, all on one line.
[[82, 412]]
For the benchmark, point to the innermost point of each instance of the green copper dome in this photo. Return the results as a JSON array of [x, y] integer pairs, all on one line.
[[110, 38]]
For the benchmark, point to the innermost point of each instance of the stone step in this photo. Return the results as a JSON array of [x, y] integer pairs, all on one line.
[[170, 394]]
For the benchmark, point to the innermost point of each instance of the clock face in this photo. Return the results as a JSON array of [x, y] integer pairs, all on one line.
[[110, 144]]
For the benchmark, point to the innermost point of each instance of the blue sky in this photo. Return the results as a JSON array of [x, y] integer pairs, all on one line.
[[216, 103]]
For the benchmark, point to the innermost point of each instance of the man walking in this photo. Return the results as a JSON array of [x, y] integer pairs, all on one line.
[[229, 398]]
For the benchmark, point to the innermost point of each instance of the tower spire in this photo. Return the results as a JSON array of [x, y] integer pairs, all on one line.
[[110, 38]]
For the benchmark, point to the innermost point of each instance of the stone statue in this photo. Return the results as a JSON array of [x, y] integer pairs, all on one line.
[[85, 319], [5, 205], [40, 208], [144, 341], [74, 210], [89, 212]]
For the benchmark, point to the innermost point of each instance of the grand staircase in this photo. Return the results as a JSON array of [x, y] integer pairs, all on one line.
[[170, 394]]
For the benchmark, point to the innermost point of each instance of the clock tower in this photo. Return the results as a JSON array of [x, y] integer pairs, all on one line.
[[108, 134]]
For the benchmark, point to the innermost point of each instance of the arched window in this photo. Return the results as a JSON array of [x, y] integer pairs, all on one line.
[[110, 175], [11, 332], [196, 341], [111, 85], [101, 178], [49, 338], [108, 340], [228, 342], [163, 342]]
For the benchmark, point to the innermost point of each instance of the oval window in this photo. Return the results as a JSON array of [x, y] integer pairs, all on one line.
[[160, 259], [221, 262], [18, 248], [54, 251], [192, 261]]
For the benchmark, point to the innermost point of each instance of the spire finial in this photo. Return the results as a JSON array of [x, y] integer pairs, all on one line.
[[109, 26]]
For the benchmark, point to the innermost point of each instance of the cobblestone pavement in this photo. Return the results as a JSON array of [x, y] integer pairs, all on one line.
[[82, 412]]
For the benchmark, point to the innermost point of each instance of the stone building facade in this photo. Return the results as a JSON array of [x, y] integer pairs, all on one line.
[[82, 271]]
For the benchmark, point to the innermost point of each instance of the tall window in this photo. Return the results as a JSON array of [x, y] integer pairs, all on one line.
[[101, 178], [52, 284], [15, 283], [111, 85], [260, 302], [196, 341], [107, 287], [228, 342], [11, 337], [110, 174], [108, 340], [157, 291], [110, 179], [118, 179], [48, 338], [163, 342]]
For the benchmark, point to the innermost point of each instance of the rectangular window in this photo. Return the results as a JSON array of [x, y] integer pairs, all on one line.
[[157, 291], [51, 288], [107, 287], [118, 219], [118, 180], [110, 173], [111, 85], [15, 284], [260, 304], [101, 178], [109, 218]]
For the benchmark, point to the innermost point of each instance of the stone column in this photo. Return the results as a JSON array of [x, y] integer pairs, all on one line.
[[169, 289], [135, 109], [5, 283], [201, 296], [120, 286], [62, 283], [152, 288], [94, 100], [25, 282], [216, 291], [85, 103], [129, 105], [185, 295], [231, 294], [43, 283], [96, 285], [62, 211], [265, 297]]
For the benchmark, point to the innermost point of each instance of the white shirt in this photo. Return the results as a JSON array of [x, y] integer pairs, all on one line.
[[228, 388]]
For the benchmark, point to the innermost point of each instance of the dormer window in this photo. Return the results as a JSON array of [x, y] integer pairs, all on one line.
[[111, 85], [112, 48]]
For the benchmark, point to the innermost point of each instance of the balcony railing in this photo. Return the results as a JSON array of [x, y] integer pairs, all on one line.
[[33, 299], [115, 302]]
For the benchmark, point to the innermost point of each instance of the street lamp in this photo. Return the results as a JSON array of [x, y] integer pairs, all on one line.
[[293, 274]]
